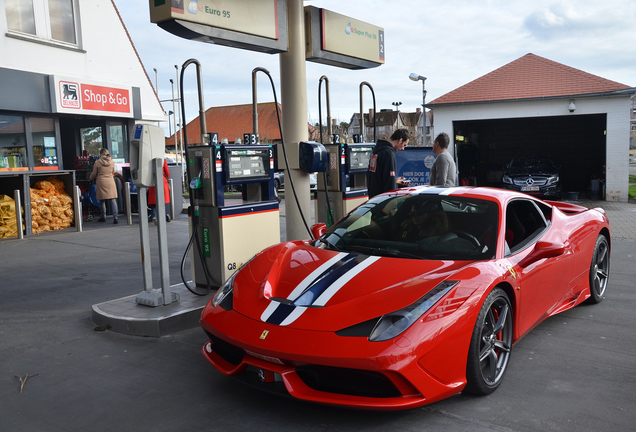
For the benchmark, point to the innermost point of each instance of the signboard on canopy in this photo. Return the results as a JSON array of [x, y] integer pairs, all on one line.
[[247, 24]]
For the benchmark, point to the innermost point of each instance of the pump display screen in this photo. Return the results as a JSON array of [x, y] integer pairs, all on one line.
[[246, 164], [359, 158]]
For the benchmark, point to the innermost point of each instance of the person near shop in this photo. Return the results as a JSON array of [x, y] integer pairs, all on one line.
[[443, 171], [382, 165], [152, 200], [106, 188]]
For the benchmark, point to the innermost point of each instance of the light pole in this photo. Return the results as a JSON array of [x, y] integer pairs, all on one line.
[[169, 124], [396, 105], [416, 77]]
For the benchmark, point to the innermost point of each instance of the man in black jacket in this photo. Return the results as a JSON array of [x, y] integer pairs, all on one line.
[[382, 166]]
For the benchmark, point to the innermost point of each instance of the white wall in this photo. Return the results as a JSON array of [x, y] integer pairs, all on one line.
[[617, 109], [105, 54]]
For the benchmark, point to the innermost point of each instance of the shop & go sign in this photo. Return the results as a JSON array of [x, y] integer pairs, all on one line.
[[81, 97]]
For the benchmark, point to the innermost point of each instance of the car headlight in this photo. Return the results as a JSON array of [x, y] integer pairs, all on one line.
[[393, 324], [553, 179], [506, 179], [227, 288]]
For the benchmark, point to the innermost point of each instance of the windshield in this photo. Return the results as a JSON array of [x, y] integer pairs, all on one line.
[[418, 226], [532, 162]]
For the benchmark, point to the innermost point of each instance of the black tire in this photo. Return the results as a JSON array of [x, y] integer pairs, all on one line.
[[276, 184], [599, 269], [490, 345]]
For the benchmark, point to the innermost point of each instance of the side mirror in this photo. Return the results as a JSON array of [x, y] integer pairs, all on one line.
[[543, 249], [318, 230]]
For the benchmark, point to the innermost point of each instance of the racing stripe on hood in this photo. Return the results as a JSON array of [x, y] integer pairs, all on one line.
[[317, 288]]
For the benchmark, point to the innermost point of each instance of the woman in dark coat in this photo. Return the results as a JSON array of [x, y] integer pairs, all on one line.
[[106, 193]]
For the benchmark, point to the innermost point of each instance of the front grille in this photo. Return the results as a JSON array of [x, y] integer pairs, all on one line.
[[351, 382], [523, 181], [228, 352]]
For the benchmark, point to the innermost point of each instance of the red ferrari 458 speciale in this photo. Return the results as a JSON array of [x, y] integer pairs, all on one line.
[[414, 296]]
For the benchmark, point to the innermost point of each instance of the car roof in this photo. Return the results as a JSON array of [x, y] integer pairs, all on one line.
[[478, 192]]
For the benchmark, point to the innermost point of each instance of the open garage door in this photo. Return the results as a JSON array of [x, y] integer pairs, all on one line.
[[576, 143]]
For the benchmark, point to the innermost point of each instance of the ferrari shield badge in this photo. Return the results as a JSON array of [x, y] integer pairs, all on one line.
[[510, 269], [264, 334]]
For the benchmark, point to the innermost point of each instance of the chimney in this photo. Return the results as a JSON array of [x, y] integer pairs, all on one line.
[[371, 113], [418, 110], [334, 122]]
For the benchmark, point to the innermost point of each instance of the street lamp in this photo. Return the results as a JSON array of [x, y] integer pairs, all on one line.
[[169, 124], [396, 105], [416, 77]]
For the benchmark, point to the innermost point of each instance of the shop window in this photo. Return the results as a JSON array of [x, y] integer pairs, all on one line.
[[54, 20], [44, 143], [13, 149], [118, 143], [92, 141]]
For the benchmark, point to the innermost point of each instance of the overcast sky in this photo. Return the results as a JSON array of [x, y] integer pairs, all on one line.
[[451, 42]]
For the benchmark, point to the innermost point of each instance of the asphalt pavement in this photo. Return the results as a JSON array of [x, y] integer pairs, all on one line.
[[574, 372]]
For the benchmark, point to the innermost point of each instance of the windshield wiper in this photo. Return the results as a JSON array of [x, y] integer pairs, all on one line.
[[329, 244], [384, 251]]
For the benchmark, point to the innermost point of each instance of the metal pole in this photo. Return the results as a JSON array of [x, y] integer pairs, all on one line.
[[128, 204], [78, 208], [293, 83], [424, 110], [156, 81], [180, 124], [18, 213], [161, 232], [254, 104], [174, 117], [144, 237], [171, 191]]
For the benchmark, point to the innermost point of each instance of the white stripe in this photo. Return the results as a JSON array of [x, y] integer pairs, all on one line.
[[298, 311], [271, 307], [301, 287], [452, 190], [335, 287], [313, 275]]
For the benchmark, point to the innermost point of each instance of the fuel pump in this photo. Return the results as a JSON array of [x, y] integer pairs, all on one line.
[[344, 187], [227, 232], [232, 230]]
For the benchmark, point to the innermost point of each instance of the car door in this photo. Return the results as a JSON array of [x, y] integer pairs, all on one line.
[[542, 282]]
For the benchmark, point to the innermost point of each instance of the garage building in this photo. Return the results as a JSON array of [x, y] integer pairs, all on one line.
[[535, 106]]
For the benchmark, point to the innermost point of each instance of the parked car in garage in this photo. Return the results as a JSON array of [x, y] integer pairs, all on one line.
[[534, 175], [279, 180]]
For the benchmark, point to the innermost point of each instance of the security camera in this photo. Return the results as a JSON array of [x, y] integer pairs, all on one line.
[[571, 107]]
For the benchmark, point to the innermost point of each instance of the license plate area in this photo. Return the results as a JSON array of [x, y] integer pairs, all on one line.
[[529, 188]]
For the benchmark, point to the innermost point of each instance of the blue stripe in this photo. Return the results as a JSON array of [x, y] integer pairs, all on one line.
[[317, 287], [281, 312], [324, 281]]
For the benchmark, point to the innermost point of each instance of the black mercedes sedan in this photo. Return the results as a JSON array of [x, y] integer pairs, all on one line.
[[534, 175]]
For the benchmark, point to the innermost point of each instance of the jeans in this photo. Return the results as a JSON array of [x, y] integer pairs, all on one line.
[[113, 207]]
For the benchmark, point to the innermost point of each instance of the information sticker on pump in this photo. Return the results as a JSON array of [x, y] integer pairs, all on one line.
[[206, 168]]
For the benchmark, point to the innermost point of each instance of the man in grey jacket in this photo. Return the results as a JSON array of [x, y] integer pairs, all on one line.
[[443, 171]]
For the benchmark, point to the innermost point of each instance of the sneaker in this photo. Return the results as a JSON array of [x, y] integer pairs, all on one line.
[[154, 220], [101, 219], [115, 221]]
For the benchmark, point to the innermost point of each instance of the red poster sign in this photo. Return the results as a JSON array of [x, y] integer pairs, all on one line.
[[98, 98]]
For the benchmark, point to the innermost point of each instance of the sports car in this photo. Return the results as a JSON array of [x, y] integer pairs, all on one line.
[[416, 295]]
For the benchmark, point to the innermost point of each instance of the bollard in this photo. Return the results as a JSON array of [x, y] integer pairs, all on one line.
[[77, 194], [128, 208], [18, 213], [171, 191]]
